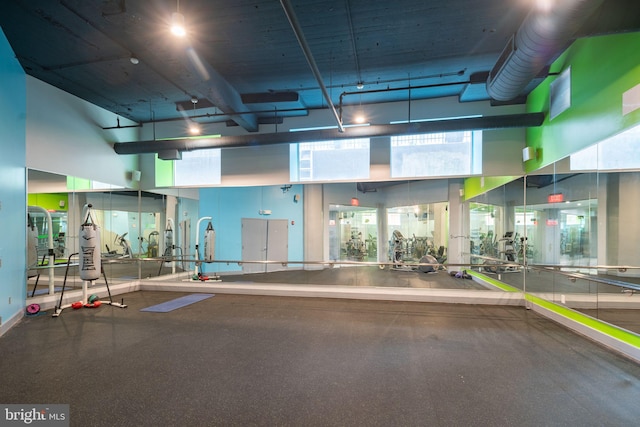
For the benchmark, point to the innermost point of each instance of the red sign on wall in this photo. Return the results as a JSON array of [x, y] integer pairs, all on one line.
[[555, 198]]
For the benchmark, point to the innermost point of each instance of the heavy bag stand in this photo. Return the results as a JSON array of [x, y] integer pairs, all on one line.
[[84, 303], [89, 264], [209, 247]]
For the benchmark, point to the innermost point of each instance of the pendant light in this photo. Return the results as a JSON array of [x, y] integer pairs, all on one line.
[[177, 22], [194, 127]]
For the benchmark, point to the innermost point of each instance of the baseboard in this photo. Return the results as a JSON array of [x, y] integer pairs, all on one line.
[[11, 322]]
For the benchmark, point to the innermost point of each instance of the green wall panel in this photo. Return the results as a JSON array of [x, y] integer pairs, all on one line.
[[602, 69], [77, 184], [50, 201], [164, 172], [475, 186]]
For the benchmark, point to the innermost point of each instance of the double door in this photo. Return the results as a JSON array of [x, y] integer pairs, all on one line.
[[264, 240]]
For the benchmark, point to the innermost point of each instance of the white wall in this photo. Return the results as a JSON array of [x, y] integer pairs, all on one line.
[[502, 152], [627, 227], [313, 214], [65, 136], [269, 165], [458, 226]]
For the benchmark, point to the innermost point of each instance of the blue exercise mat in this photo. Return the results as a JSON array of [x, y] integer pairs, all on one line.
[[174, 304]]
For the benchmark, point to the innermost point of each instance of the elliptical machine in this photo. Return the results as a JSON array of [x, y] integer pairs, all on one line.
[[398, 257], [398, 249]]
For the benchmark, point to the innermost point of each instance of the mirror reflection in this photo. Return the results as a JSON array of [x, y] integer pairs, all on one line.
[[547, 234]]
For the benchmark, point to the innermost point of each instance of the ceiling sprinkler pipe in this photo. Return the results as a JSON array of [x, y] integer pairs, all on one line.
[[297, 29]]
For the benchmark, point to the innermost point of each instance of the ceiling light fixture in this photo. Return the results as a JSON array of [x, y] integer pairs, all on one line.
[[360, 118], [177, 22], [360, 85], [194, 127], [545, 6]]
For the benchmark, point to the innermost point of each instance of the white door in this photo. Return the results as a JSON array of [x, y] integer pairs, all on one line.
[[254, 244], [264, 240], [277, 243]]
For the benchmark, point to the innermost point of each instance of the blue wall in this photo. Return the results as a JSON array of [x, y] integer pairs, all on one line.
[[13, 192], [227, 207]]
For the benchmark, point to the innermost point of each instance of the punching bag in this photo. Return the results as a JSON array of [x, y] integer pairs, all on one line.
[[168, 240], [32, 246], [89, 264], [209, 243]]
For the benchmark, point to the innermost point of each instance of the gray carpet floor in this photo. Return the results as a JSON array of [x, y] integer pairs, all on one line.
[[237, 360]]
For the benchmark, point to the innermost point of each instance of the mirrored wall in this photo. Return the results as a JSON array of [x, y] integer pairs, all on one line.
[[137, 229], [147, 235], [565, 235]]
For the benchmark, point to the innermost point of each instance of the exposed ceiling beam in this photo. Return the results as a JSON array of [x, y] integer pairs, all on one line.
[[220, 92], [453, 125]]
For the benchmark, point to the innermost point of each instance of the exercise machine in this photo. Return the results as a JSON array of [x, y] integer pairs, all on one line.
[[153, 244], [398, 249], [32, 248], [124, 244], [50, 248], [355, 246], [507, 255], [426, 264], [508, 250]]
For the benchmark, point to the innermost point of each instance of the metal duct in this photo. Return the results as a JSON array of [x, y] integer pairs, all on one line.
[[472, 123], [541, 37]]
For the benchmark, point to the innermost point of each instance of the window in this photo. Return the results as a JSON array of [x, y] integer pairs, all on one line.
[[330, 160], [560, 94], [436, 154], [200, 167], [619, 152]]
